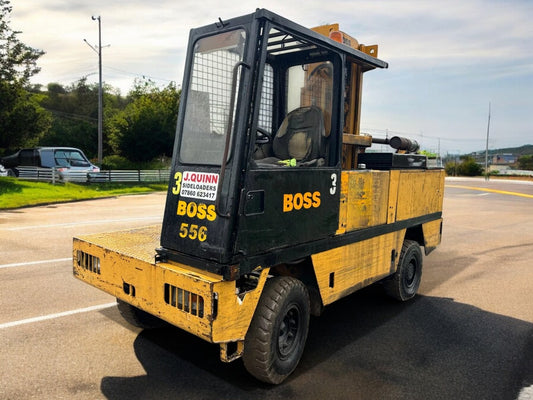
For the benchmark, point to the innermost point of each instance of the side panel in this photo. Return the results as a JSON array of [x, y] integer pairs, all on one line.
[[419, 193], [367, 199], [285, 207], [343, 201], [432, 235], [371, 198], [393, 196], [191, 224], [344, 270], [235, 311]]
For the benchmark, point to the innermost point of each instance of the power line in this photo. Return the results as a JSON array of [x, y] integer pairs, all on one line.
[[423, 136], [140, 75]]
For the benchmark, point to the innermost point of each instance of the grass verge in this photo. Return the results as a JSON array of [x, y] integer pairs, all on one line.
[[15, 193]]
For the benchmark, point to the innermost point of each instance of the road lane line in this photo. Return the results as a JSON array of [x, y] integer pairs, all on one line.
[[35, 262], [530, 196], [56, 315], [67, 224]]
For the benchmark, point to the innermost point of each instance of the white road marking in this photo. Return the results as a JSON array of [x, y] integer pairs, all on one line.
[[57, 315], [34, 262], [94, 222]]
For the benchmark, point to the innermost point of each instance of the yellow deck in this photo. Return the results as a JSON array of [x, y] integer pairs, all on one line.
[[202, 303]]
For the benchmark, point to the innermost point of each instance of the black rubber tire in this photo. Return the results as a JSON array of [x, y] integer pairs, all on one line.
[[13, 173], [276, 337], [404, 283], [137, 317]]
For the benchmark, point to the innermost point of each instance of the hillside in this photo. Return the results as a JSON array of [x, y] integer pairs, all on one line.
[[518, 151]]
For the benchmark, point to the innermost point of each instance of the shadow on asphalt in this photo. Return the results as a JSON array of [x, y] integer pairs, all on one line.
[[363, 347]]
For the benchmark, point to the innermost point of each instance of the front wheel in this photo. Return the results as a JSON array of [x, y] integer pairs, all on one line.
[[276, 337], [404, 283]]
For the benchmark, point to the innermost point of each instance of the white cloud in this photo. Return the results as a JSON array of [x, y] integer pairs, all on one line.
[[448, 59]]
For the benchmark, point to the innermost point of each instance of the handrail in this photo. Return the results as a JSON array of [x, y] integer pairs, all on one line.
[[228, 136]]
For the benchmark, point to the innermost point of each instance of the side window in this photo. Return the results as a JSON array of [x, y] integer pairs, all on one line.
[[29, 158], [61, 158], [311, 85], [299, 104], [266, 107]]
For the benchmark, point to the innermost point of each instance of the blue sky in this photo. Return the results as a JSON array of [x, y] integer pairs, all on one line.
[[447, 59]]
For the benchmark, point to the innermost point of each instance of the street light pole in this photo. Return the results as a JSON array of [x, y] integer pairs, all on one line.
[[100, 89], [100, 95]]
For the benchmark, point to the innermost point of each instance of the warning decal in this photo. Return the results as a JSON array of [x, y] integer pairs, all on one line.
[[199, 185]]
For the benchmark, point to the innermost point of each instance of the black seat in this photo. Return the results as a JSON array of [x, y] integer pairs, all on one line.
[[301, 138]]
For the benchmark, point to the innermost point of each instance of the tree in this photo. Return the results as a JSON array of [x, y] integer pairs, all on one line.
[[145, 129], [18, 61], [22, 119], [74, 112], [526, 162], [467, 167]]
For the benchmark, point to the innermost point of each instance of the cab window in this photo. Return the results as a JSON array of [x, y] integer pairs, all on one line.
[[208, 107], [298, 93]]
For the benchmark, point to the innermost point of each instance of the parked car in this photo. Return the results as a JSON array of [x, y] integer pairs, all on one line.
[[69, 162]]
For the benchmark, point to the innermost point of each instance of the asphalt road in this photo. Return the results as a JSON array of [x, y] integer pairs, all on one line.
[[468, 335]]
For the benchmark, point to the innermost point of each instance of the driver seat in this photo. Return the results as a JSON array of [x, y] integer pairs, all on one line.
[[301, 137]]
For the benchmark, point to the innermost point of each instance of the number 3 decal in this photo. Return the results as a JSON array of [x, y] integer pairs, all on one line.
[[177, 187], [333, 187]]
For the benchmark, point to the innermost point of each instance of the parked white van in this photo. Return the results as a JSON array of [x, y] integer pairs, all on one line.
[[67, 161]]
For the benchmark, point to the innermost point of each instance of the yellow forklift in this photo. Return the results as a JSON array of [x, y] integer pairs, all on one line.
[[276, 206]]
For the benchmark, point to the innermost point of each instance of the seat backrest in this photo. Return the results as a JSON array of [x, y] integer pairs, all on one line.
[[301, 135]]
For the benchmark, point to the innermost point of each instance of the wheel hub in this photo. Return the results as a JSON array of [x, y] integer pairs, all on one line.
[[288, 332], [410, 274]]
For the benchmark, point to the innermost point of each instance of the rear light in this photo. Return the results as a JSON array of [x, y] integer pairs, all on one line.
[[62, 169], [96, 169]]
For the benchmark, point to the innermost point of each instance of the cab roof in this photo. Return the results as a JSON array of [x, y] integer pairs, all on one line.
[[288, 36]]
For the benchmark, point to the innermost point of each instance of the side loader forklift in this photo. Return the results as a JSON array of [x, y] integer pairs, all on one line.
[[276, 205]]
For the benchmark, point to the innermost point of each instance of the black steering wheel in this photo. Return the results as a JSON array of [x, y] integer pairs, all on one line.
[[263, 136]]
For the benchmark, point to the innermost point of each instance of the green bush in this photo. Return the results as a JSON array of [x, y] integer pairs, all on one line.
[[117, 162], [467, 167], [120, 162], [451, 168]]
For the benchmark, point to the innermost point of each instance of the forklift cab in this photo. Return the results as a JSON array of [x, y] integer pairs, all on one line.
[[258, 153]]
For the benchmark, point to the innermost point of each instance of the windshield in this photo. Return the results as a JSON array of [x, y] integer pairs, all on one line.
[[208, 108], [70, 158]]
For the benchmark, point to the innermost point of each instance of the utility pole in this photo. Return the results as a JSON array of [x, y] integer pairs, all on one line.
[[100, 89], [487, 150], [439, 158]]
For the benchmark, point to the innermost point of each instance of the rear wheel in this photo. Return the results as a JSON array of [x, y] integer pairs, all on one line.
[[404, 283], [137, 317], [276, 338], [12, 172]]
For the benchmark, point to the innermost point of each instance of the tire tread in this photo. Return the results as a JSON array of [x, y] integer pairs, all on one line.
[[393, 284], [259, 339]]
